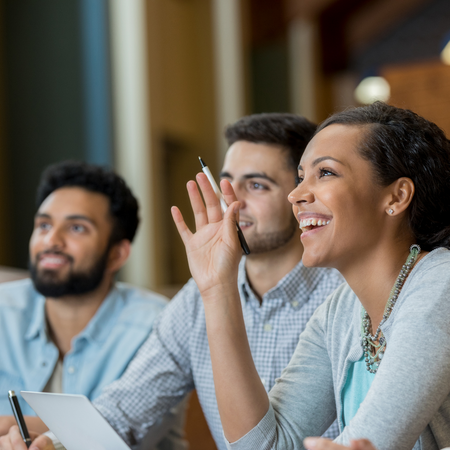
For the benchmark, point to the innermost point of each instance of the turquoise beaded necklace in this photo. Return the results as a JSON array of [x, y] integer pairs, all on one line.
[[369, 342]]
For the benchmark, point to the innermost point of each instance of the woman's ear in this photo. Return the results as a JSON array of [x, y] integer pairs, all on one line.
[[118, 255], [400, 194]]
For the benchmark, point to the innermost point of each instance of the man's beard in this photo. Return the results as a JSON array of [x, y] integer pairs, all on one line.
[[46, 282], [267, 242]]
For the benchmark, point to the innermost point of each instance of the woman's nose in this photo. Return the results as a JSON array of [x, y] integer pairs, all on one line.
[[301, 194]]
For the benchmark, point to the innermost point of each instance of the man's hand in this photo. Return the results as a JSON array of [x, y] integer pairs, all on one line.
[[6, 422], [33, 423], [326, 444], [13, 441]]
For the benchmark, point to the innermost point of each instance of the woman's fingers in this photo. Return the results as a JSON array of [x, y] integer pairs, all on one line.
[[213, 208], [183, 230], [230, 218], [228, 192], [315, 443], [362, 444], [207, 211], [198, 207]]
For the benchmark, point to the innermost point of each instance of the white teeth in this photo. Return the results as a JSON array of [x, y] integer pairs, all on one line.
[[52, 260], [313, 222], [244, 224]]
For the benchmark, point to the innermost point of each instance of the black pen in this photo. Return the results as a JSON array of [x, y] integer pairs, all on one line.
[[19, 417], [223, 205]]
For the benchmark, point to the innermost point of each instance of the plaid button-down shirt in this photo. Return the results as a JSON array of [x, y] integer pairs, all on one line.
[[175, 359]]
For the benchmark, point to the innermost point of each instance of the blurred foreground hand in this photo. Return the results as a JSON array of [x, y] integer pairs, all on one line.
[[13, 441], [313, 443]]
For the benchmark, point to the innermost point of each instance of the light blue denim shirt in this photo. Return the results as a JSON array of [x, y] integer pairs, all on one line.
[[99, 354]]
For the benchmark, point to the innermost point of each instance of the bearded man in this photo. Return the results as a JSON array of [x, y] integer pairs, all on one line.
[[71, 328]]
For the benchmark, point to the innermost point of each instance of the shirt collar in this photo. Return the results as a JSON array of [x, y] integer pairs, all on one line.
[[295, 287], [98, 327]]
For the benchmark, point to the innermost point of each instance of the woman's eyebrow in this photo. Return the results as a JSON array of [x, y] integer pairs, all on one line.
[[323, 158], [319, 160]]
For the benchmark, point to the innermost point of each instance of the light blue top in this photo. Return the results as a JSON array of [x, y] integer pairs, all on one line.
[[99, 355], [359, 380]]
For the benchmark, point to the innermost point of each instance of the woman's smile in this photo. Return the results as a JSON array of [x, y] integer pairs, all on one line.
[[309, 221]]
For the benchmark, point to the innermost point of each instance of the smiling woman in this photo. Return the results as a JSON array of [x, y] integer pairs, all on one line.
[[373, 190]]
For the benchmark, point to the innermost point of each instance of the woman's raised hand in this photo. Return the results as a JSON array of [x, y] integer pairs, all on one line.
[[213, 251]]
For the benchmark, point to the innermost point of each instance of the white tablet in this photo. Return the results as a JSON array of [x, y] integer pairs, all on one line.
[[74, 420]]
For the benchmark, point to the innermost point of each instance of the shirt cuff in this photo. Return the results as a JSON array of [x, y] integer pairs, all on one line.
[[261, 437], [56, 443]]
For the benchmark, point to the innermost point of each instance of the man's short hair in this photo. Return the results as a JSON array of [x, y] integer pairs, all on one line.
[[288, 131], [123, 206]]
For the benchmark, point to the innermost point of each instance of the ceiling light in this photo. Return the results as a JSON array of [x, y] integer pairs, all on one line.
[[372, 89], [445, 54]]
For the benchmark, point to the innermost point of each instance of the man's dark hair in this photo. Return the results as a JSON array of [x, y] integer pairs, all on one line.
[[399, 143], [123, 206], [288, 131]]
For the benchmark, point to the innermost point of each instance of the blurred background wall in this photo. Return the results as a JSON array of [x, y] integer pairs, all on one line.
[[146, 86]]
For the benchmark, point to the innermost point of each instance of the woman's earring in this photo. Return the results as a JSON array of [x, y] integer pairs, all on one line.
[[391, 211]]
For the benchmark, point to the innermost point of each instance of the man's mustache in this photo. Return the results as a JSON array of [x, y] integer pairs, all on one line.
[[54, 252]]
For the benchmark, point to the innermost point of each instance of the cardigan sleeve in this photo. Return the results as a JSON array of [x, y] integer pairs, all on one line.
[[302, 401]]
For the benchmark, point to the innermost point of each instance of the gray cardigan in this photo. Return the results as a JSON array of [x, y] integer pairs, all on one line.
[[408, 404]]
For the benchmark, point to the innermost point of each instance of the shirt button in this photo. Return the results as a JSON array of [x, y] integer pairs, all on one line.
[[71, 369], [294, 303], [267, 327]]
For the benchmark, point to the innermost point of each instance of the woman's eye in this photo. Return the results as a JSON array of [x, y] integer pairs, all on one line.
[[325, 173], [298, 180]]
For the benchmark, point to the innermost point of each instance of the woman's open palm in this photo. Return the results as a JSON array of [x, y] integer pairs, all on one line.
[[213, 251]]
